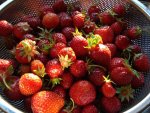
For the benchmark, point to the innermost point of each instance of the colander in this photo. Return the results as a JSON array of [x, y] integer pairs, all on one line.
[[138, 14]]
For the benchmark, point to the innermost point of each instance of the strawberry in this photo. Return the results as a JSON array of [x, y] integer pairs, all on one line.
[[59, 6], [82, 93], [120, 10], [56, 48], [112, 47], [42, 57], [121, 76], [29, 84], [117, 27], [90, 109], [103, 51], [106, 33], [60, 91], [67, 80], [50, 20], [6, 28], [38, 68], [20, 29], [29, 36], [46, 102], [44, 10], [122, 42], [93, 9], [24, 69], [66, 57], [59, 37], [89, 26], [137, 81], [78, 68], [96, 76], [77, 109], [111, 105], [134, 32], [134, 49], [25, 51], [68, 32], [141, 62], [94, 17]]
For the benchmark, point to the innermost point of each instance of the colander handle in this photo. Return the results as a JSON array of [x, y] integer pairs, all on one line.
[[4, 4], [140, 6]]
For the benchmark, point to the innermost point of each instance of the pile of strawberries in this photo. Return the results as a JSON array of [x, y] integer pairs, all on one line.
[[69, 61]]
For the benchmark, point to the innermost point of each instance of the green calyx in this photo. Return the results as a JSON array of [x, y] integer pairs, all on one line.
[[138, 31], [45, 33], [125, 93], [4, 84], [77, 33], [40, 71], [55, 81]]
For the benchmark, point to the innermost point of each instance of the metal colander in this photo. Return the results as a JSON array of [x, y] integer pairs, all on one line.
[[13, 10]]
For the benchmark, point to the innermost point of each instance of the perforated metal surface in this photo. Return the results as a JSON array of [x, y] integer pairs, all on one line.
[[14, 13]]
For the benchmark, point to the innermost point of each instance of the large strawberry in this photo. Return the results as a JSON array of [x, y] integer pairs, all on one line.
[[46, 102], [82, 92], [29, 84], [59, 6], [25, 51]]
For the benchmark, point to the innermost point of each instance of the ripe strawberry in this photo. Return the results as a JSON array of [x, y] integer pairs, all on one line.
[[6, 28], [46, 102], [68, 32], [111, 105], [122, 42], [90, 109], [77, 109], [56, 48], [93, 9], [120, 10], [117, 27], [54, 68], [24, 69], [103, 51], [78, 68], [29, 36], [107, 18], [94, 17], [44, 10], [50, 20], [42, 57], [134, 32], [60, 91], [38, 68], [137, 81], [67, 80], [96, 76], [25, 51], [141, 62], [59, 37], [59, 6], [112, 47], [66, 57], [29, 84], [20, 29], [106, 33], [82, 93], [78, 20], [89, 26], [121, 76]]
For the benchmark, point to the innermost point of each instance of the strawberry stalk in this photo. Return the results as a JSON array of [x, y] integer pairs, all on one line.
[[4, 81], [69, 106]]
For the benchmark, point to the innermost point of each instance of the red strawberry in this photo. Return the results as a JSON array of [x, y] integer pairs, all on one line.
[[107, 18], [78, 20], [59, 6], [122, 42], [121, 76], [24, 69], [93, 9], [90, 109], [117, 27], [89, 26], [68, 32], [60, 91], [137, 81], [29, 36], [141, 62], [44, 10], [66, 57], [120, 10], [112, 48], [56, 48], [6, 28], [29, 84], [25, 51], [106, 33], [77, 110], [96, 76], [67, 80], [50, 21], [111, 105], [20, 29], [46, 102], [38, 68], [78, 68], [94, 17], [59, 37], [82, 92]]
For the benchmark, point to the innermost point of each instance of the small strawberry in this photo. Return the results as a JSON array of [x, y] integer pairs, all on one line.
[[78, 68], [59, 6], [93, 9], [68, 32], [59, 37], [44, 10], [82, 93], [20, 29], [60, 91], [122, 42], [120, 10], [90, 109], [24, 69], [117, 27], [141, 62], [6, 28], [89, 26], [50, 20], [106, 33], [112, 47], [46, 102], [29, 84], [111, 105]]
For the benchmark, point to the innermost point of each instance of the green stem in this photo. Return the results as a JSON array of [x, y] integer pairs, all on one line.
[[4, 81]]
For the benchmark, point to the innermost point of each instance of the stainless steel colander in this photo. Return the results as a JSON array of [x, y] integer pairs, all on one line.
[[138, 14]]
